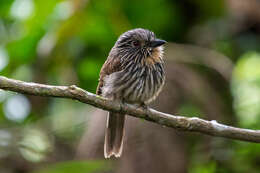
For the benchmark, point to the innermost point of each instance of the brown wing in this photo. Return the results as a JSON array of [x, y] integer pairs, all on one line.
[[111, 65]]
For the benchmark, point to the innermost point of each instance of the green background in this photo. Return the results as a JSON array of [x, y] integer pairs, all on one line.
[[65, 42]]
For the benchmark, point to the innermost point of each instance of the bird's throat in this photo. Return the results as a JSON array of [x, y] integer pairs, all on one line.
[[155, 57]]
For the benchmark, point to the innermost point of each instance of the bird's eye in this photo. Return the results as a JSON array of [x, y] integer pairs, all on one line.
[[135, 43]]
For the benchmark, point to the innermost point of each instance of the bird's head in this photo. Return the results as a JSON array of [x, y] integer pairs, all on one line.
[[139, 43]]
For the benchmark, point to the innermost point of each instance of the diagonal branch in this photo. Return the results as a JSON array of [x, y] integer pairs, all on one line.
[[212, 128]]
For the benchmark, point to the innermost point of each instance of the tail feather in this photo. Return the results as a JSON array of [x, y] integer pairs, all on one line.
[[114, 135]]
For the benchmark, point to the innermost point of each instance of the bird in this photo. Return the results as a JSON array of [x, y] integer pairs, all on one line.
[[132, 73]]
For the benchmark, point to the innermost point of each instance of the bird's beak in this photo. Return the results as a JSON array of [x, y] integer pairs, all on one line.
[[157, 43]]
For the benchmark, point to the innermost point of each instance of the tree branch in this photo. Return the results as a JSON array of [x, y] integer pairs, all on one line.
[[212, 128]]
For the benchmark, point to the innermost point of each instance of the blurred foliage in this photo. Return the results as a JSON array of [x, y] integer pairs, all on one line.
[[76, 167], [246, 89], [65, 42]]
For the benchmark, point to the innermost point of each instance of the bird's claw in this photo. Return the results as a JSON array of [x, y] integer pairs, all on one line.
[[144, 106]]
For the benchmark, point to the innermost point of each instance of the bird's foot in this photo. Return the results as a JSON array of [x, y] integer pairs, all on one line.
[[144, 106]]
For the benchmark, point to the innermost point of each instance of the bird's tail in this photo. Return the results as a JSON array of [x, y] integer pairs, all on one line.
[[114, 135]]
